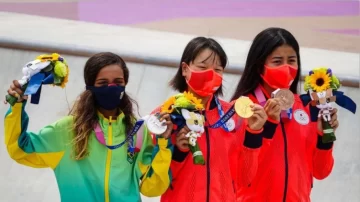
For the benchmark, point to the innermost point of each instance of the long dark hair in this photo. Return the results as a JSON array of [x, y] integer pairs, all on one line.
[[191, 51], [85, 109], [263, 45]]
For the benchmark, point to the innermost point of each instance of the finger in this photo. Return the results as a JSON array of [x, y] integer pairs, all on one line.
[[186, 129], [261, 114], [275, 104], [334, 111], [334, 124], [164, 116], [181, 135], [13, 93], [333, 118], [256, 107], [16, 89], [16, 84], [276, 109]]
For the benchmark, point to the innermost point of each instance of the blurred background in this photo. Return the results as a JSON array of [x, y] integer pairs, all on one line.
[[151, 36]]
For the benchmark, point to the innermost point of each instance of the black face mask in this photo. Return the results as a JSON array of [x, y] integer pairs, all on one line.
[[107, 97]]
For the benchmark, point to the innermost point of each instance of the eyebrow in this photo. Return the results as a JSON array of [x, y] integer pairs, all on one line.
[[103, 79], [280, 57]]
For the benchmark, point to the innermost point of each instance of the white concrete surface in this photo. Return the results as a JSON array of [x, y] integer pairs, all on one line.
[[148, 44]]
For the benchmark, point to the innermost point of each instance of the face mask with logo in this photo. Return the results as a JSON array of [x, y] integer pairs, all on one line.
[[107, 97], [279, 77], [204, 83]]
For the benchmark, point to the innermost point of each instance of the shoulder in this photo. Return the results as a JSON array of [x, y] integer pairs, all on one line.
[[65, 123], [298, 104]]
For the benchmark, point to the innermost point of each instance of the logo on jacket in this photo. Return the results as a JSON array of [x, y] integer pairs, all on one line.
[[301, 117]]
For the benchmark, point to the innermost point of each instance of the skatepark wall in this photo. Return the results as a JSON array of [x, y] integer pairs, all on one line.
[[152, 58]]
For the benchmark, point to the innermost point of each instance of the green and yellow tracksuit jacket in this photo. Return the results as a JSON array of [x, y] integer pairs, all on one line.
[[104, 175]]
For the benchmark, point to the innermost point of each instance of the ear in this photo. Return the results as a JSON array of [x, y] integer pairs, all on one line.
[[185, 113], [184, 68]]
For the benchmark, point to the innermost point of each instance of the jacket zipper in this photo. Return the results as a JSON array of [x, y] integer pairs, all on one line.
[[207, 165], [108, 164], [286, 161]]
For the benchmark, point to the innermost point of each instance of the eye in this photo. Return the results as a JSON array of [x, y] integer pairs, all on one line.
[[102, 84], [196, 122], [317, 102], [328, 100]]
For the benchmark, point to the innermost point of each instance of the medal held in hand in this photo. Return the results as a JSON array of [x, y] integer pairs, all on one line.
[[154, 125], [322, 87], [285, 97], [242, 107], [185, 110]]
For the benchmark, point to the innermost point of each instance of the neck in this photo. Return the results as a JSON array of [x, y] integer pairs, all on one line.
[[109, 113], [268, 89], [204, 100]]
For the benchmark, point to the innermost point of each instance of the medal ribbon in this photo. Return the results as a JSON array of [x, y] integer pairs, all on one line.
[[137, 129], [224, 118], [262, 101]]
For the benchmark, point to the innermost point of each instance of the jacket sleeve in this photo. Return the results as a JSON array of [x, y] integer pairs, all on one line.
[[154, 165], [322, 156], [38, 150], [249, 154]]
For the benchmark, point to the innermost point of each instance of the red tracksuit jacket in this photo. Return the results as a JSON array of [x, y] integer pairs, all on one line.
[[214, 182], [291, 156]]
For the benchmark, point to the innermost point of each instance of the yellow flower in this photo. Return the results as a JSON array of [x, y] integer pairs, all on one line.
[[194, 100], [66, 79], [168, 105], [319, 80]]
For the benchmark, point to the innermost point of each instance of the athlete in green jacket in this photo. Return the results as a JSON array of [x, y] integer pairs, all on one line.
[[86, 167]]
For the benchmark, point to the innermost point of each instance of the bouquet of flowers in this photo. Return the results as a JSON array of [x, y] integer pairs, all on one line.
[[45, 69], [185, 109], [322, 87]]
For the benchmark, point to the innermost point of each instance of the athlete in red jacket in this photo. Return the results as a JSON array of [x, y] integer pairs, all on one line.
[[200, 72], [293, 153]]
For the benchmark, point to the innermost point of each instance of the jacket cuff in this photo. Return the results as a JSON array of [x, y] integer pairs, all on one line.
[[269, 129], [323, 146], [253, 139], [179, 155]]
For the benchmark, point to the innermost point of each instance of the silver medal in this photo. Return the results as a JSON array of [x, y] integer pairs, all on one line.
[[154, 125]]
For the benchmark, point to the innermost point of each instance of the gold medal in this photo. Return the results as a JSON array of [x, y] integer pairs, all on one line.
[[242, 107]]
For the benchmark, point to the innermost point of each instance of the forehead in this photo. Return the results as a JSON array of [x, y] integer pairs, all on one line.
[[111, 71], [207, 56], [284, 50]]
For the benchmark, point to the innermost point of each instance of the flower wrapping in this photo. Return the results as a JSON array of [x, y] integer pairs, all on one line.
[[185, 109], [322, 87], [45, 69]]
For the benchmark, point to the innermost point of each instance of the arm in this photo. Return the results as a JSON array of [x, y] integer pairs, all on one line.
[[249, 154], [154, 163], [268, 133], [44, 149], [322, 158]]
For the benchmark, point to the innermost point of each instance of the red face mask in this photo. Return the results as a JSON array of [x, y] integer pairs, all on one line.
[[204, 83], [279, 77]]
